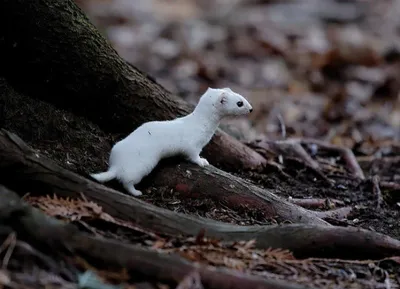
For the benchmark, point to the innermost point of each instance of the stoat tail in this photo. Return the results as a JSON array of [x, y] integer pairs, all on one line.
[[104, 177]]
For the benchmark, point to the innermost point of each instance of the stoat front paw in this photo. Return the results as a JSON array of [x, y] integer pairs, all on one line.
[[203, 162]]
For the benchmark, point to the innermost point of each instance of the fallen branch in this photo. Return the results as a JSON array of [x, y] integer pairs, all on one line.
[[293, 147], [390, 185], [316, 203], [24, 171], [35, 227], [377, 191], [338, 214], [347, 155]]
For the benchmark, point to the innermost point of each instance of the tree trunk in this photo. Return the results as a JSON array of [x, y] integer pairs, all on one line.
[[50, 51], [26, 171]]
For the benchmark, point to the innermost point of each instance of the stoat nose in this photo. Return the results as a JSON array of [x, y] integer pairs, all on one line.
[[251, 109]]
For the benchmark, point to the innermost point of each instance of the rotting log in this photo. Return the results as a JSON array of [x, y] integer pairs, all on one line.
[[24, 171], [65, 61], [35, 227]]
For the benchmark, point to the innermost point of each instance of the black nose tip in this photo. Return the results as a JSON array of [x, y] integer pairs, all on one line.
[[251, 109]]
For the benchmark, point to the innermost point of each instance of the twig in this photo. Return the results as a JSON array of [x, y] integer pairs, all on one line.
[[293, 146], [377, 191], [389, 185], [339, 214], [282, 124], [315, 203], [11, 240], [300, 152], [345, 153], [6, 242], [289, 149]]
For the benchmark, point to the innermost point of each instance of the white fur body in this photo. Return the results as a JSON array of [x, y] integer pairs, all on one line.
[[135, 156]]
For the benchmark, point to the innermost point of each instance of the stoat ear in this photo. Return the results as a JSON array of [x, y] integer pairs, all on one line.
[[222, 99]]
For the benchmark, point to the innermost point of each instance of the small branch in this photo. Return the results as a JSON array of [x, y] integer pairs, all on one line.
[[9, 243], [345, 153], [338, 214], [316, 203], [293, 147], [282, 124], [377, 192], [389, 185], [290, 150]]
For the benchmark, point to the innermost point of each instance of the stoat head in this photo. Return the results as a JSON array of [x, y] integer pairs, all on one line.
[[226, 102]]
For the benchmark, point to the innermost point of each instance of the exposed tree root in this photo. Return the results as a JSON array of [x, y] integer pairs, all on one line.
[[33, 226], [24, 171]]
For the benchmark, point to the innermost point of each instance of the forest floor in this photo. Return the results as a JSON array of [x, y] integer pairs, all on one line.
[[327, 72]]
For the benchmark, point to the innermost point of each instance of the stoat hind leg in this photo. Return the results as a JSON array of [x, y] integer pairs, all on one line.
[[134, 173], [131, 189]]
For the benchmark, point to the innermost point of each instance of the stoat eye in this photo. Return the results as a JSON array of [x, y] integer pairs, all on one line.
[[239, 103]]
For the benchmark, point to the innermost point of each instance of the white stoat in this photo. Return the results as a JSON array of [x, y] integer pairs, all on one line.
[[135, 156]]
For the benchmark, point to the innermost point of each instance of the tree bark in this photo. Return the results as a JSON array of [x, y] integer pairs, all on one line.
[[26, 171], [50, 51]]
